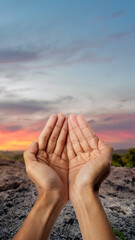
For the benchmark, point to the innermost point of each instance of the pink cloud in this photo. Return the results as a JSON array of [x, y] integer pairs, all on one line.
[[116, 129]]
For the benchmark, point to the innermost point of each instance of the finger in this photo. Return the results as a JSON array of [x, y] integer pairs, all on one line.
[[106, 150], [74, 140], [82, 140], [45, 134], [61, 139], [70, 151], [91, 137], [64, 154], [55, 133], [30, 153]]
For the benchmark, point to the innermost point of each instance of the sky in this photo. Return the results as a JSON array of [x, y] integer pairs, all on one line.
[[71, 57]]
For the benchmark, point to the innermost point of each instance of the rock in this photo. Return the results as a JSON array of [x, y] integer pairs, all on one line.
[[9, 204], [18, 194], [8, 186], [23, 187]]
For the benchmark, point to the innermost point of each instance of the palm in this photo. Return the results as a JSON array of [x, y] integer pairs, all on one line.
[[83, 168], [52, 155], [60, 166], [76, 166], [89, 157], [54, 167], [45, 175]]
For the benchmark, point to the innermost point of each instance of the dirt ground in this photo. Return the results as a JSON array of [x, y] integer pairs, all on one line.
[[18, 194]]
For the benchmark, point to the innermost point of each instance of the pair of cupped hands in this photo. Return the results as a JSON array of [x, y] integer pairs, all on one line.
[[68, 158]]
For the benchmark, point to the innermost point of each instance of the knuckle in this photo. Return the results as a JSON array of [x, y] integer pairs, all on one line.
[[49, 151], [42, 138], [45, 138], [81, 138], [61, 142], [68, 148], [53, 116], [74, 141], [94, 138], [53, 138], [79, 153], [88, 138]]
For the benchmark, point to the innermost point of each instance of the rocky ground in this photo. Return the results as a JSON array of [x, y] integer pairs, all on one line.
[[18, 194]]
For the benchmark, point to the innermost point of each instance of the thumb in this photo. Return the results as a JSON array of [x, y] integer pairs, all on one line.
[[33, 148], [30, 153], [105, 149]]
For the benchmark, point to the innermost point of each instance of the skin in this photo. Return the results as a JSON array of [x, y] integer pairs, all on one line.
[[89, 164], [52, 157], [46, 165]]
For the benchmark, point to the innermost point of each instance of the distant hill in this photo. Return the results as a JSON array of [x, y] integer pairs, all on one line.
[[12, 155], [124, 158], [121, 157], [121, 151]]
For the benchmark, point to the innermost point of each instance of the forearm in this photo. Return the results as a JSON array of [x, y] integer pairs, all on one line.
[[92, 219], [41, 219]]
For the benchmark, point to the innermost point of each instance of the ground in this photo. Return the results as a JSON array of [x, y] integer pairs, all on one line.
[[18, 194]]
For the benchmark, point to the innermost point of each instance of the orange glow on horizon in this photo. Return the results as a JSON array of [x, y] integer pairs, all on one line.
[[20, 140]]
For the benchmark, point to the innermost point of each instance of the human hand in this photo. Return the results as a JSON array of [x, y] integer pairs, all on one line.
[[46, 165], [46, 161], [89, 157]]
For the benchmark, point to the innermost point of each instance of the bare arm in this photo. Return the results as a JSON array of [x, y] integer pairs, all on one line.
[[46, 165], [41, 219], [92, 219], [89, 164]]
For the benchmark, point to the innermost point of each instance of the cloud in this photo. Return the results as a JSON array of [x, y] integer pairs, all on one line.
[[118, 138], [8, 94], [90, 57], [21, 121], [27, 107], [118, 14], [116, 129], [114, 122], [54, 55], [122, 34], [126, 125], [23, 107], [91, 122], [114, 15], [80, 51], [17, 140], [10, 128], [17, 55]]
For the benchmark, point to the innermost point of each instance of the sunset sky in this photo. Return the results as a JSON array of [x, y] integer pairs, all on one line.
[[68, 56]]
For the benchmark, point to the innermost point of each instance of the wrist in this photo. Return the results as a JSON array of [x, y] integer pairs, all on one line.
[[47, 198], [42, 217], [88, 208], [83, 195]]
